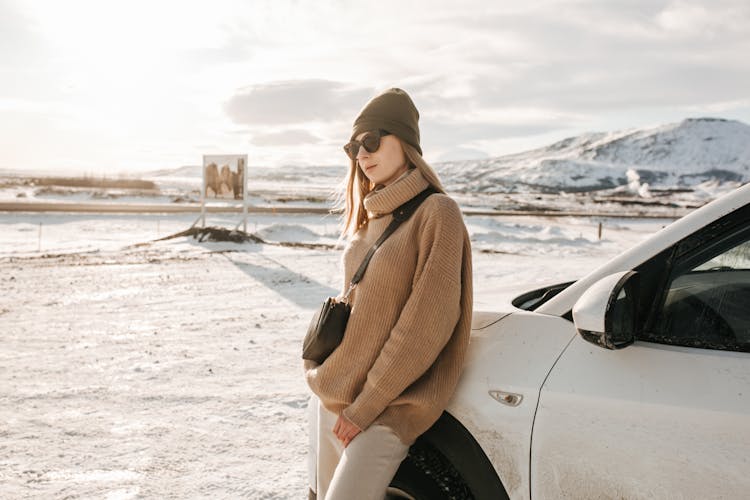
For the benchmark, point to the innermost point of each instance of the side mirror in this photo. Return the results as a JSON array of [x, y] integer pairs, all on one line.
[[605, 314]]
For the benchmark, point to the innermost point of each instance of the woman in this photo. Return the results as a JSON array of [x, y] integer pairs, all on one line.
[[398, 365]]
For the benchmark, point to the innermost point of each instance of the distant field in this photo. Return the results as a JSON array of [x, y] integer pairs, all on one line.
[[94, 182], [80, 182]]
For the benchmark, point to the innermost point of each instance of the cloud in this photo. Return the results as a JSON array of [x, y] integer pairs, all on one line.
[[691, 17], [617, 87], [296, 102], [589, 58], [455, 134], [593, 56], [19, 44], [462, 154], [489, 76], [293, 137]]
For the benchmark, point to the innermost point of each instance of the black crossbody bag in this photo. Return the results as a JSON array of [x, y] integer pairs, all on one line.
[[326, 330]]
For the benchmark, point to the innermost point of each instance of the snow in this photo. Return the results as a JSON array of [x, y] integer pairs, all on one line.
[[136, 367], [299, 233], [140, 368]]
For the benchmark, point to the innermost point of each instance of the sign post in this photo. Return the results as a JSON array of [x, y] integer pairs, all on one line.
[[224, 180]]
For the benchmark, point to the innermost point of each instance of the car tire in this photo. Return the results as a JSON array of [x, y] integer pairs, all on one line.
[[425, 474]]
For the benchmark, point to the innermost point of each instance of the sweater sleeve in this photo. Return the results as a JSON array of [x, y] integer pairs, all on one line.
[[427, 320]]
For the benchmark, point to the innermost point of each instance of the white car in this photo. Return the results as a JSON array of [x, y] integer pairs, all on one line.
[[632, 382]]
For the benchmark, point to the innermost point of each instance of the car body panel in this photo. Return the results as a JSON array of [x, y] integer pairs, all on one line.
[[514, 356], [648, 421], [480, 319]]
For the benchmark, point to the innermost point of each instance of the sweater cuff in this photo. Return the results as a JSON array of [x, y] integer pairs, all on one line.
[[365, 409]]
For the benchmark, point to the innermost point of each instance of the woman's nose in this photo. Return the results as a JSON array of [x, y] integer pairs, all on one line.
[[361, 151]]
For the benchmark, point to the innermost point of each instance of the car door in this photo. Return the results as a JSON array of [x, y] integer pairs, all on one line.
[[669, 415]]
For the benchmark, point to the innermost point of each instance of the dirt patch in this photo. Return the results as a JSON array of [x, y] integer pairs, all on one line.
[[213, 233]]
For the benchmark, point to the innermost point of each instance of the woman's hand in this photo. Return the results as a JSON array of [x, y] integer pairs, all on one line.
[[345, 430]]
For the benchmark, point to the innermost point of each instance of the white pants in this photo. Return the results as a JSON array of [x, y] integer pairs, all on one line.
[[362, 470]]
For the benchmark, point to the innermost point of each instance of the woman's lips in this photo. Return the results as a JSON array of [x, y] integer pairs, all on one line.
[[371, 166]]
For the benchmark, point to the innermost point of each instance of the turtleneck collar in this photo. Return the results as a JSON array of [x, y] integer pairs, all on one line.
[[385, 200]]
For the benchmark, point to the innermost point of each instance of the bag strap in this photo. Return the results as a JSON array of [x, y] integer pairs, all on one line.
[[401, 214]]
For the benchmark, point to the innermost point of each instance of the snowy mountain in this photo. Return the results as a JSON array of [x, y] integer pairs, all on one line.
[[674, 156], [695, 154]]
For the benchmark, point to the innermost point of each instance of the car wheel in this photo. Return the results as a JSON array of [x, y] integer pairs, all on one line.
[[425, 474]]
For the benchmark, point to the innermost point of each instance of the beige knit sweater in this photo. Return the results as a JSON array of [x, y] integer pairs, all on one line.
[[404, 345]]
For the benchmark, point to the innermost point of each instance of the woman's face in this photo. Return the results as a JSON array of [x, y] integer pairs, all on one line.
[[384, 165]]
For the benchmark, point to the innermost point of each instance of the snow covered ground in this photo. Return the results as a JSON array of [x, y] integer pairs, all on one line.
[[133, 368]]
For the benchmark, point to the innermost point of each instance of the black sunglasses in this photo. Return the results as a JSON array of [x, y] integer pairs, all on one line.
[[371, 143]]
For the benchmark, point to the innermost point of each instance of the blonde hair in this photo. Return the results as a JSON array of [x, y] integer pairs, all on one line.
[[356, 186]]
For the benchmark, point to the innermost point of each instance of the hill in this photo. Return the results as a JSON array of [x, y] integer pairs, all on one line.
[[672, 157]]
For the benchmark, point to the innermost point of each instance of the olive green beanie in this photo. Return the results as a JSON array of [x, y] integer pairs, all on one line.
[[394, 111]]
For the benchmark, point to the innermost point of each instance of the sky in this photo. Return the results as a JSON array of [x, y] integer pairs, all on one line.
[[118, 88]]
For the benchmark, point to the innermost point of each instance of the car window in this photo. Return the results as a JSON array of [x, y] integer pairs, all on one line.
[[737, 258], [707, 300]]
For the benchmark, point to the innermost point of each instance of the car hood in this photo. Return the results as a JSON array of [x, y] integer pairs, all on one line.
[[483, 319]]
